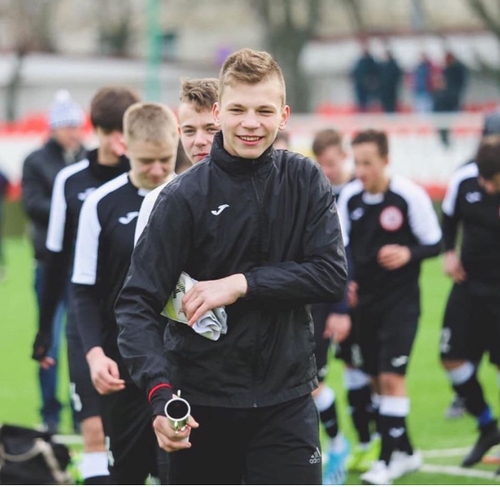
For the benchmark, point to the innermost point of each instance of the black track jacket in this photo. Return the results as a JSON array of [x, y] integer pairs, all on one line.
[[275, 220]]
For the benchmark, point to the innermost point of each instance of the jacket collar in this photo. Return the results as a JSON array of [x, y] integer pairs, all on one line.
[[238, 165]]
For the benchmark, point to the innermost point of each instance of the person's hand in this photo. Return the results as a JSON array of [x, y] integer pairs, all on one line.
[[207, 295], [337, 327], [104, 372], [452, 266], [169, 439], [392, 257], [41, 348], [352, 294]]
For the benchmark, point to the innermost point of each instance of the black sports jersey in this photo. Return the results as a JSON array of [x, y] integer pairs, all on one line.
[[467, 203], [71, 186], [104, 244], [402, 215]]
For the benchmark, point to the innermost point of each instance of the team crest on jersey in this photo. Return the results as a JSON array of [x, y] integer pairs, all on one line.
[[391, 219]]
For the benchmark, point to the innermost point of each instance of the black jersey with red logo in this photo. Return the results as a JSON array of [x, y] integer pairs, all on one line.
[[403, 215]]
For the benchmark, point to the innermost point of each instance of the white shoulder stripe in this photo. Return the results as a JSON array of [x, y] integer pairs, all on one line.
[[348, 191], [461, 174], [58, 206], [422, 217], [89, 230]]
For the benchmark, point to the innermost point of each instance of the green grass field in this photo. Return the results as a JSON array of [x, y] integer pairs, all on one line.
[[428, 387]]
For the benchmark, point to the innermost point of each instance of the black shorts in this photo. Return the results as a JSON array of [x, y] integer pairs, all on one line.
[[385, 332], [133, 450], [84, 397], [275, 445], [471, 326]]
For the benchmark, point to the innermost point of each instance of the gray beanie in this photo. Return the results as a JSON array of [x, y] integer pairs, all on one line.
[[65, 112]]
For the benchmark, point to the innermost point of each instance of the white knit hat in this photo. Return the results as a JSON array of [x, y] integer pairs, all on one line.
[[65, 112]]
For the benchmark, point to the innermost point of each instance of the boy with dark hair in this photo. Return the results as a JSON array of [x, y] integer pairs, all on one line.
[[390, 226], [471, 321], [333, 324], [229, 222], [104, 243], [72, 186]]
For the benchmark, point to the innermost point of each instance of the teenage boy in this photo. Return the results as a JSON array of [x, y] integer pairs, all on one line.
[[197, 128], [390, 226], [104, 243], [258, 229], [471, 325], [333, 325], [72, 185]]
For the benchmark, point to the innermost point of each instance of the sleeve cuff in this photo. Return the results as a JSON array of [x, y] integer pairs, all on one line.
[[158, 397]]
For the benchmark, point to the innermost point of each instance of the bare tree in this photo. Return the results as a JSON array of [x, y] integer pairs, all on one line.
[[32, 31], [115, 26], [287, 33], [491, 20]]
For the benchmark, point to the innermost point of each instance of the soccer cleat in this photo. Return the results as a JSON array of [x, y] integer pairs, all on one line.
[[362, 459], [487, 439], [377, 475], [402, 463], [456, 409], [335, 460]]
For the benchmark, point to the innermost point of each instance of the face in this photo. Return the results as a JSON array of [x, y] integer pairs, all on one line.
[[370, 167], [332, 162], [69, 137], [111, 146], [197, 130], [250, 117], [491, 186], [151, 164]]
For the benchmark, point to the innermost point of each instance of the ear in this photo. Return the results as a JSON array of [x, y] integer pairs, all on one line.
[[285, 115], [216, 113]]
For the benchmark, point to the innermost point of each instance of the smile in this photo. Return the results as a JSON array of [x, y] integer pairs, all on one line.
[[250, 138]]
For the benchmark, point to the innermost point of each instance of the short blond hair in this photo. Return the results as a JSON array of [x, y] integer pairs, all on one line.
[[201, 93], [149, 122], [250, 67]]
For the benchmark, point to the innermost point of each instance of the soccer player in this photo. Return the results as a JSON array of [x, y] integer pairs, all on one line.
[[72, 186], [333, 324], [390, 226], [40, 168], [471, 324], [104, 243], [258, 229], [197, 128]]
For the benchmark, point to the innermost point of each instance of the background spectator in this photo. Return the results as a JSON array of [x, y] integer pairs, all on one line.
[[390, 75]]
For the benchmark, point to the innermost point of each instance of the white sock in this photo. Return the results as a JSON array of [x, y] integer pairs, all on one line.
[[94, 464]]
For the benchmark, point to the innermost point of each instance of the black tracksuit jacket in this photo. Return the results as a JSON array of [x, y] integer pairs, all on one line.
[[275, 220]]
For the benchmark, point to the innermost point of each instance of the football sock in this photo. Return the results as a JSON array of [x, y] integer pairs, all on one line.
[[361, 412], [94, 467], [394, 434], [325, 403], [466, 385]]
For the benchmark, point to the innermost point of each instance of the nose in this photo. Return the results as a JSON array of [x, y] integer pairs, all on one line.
[[250, 121], [157, 169], [200, 139]]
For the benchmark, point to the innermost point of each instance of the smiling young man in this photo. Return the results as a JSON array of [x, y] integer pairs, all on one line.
[[390, 226], [471, 324], [104, 243], [258, 229]]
